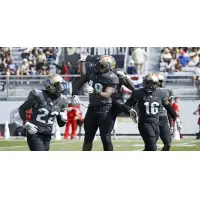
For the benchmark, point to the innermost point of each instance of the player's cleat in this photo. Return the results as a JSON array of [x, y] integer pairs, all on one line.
[[134, 116]]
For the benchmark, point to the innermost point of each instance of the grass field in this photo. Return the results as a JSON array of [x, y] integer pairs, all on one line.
[[119, 145]]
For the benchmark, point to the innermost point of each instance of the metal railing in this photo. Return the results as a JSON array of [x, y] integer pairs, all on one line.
[[11, 87]]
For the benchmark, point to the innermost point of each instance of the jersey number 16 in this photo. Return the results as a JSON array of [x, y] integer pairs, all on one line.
[[151, 108]]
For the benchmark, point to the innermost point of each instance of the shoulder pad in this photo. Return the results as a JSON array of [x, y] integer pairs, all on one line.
[[113, 78], [34, 93], [65, 99]]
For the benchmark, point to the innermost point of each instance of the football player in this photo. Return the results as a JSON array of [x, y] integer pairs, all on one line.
[[117, 99], [149, 100], [102, 84], [165, 132], [47, 105]]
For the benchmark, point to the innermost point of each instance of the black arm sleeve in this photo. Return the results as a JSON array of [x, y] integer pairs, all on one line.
[[82, 80], [170, 111], [25, 106], [60, 122], [82, 68], [127, 83]]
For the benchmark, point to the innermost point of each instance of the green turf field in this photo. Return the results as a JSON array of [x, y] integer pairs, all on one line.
[[119, 145]]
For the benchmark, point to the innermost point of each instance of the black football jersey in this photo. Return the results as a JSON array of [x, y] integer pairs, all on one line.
[[103, 80], [162, 110], [148, 104], [45, 110]]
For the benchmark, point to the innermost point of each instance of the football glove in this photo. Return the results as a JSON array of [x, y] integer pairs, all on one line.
[[75, 100], [98, 88], [63, 115], [83, 56], [88, 89], [134, 116], [178, 124], [31, 128], [172, 131], [120, 73]]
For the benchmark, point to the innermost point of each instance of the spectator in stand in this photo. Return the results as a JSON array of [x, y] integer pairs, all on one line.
[[131, 69], [166, 59], [25, 51], [24, 69], [41, 58], [139, 57], [197, 112], [175, 106], [183, 58], [178, 66], [194, 57], [12, 68]]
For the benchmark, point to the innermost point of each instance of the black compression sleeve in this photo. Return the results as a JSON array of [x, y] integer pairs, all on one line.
[[171, 111], [25, 106], [129, 84], [60, 122], [79, 84]]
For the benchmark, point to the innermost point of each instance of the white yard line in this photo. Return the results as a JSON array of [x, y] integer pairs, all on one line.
[[22, 146]]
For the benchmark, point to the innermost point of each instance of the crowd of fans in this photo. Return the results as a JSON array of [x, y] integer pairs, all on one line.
[[178, 59], [35, 61]]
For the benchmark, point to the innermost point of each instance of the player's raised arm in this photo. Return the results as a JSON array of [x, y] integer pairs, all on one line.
[[82, 80], [108, 92], [123, 78]]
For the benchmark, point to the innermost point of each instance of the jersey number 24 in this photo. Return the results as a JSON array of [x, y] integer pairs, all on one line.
[[151, 108]]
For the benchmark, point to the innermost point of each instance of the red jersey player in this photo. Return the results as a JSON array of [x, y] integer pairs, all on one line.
[[71, 121], [176, 108], [197, 112]]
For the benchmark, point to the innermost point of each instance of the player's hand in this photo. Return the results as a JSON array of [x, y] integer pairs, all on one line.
[[88, 89], [75, 100], [31, 128], [178, 124], [98, 89], [172, 131], [83, 56], [120, 73], [134, 116], [63, 115]]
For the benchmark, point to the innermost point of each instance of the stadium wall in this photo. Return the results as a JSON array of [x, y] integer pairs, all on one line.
[[124, 125]]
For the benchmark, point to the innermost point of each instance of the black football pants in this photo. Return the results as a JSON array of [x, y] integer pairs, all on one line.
[[150, 134], [165, 134], [39, 142], [103, 120]]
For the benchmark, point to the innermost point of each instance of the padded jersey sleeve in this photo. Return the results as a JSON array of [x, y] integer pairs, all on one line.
[[31, 102]]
